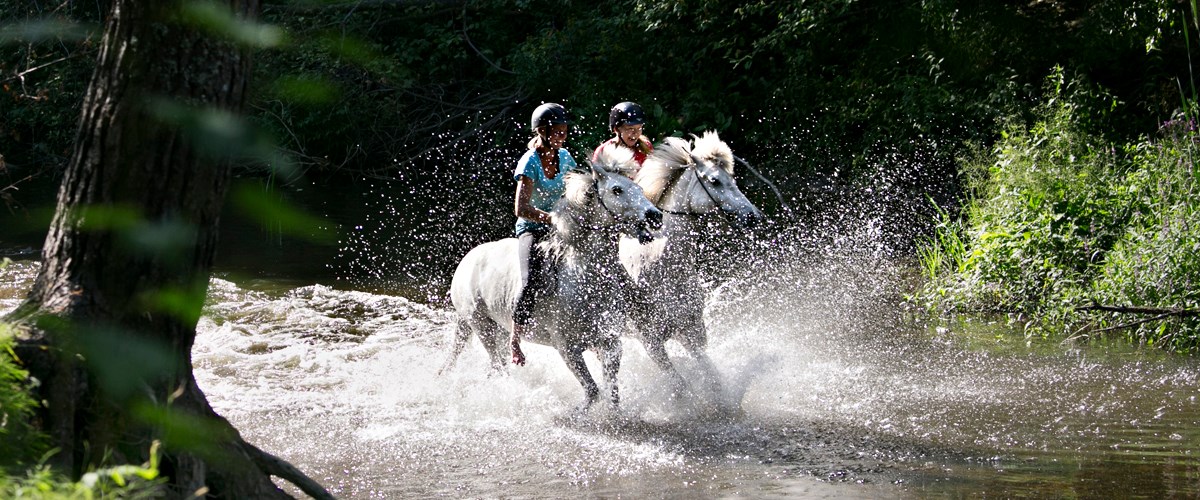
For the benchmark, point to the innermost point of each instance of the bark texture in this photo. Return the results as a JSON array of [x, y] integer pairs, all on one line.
[[136, 224]]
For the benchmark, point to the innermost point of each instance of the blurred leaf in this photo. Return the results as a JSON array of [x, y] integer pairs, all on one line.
[[305, 89], [121, 361], [219, 20], [256, 202], [185, 431], [42, 30], [221, 134], [105, 218], [161, 238], [184, 303], [352, 49]]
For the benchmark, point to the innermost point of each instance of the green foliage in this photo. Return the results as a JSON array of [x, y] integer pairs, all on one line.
[[818, 89], [46, 57], [19, 441], [1157, 262], [121, 481], [1060, 219]]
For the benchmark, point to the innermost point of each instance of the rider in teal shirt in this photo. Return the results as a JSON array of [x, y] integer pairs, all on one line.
[[539, 175], [546, 190]]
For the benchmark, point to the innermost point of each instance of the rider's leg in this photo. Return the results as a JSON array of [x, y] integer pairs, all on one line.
[[529, 262]]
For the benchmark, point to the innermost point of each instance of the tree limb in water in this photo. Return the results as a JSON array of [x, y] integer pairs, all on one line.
[[1158, 314], [282, 469], [1162, 311]]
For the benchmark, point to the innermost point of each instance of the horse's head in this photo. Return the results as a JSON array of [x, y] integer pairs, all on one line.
[[697, 179], [615, 200]]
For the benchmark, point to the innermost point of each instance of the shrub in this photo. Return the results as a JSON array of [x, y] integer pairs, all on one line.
[[1058, 221], [1157, 262]]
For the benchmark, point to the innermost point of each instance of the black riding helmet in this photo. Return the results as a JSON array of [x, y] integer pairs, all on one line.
[[548, 115], [626, 113]]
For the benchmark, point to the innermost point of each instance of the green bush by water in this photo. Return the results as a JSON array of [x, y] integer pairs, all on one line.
[[1058, 220]]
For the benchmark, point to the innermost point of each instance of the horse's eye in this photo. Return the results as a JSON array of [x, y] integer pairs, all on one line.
[[715, 182], [616, 190]]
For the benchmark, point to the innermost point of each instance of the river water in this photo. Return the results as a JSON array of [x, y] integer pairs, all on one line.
[[830, 386]]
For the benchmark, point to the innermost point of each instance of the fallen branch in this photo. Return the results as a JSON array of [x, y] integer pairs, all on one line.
[[1159, 313], [1133, 323], [1165, 312]]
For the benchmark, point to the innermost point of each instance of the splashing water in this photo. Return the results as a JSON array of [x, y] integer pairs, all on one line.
[[828, 388]]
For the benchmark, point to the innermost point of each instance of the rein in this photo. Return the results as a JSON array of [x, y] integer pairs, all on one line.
[[600, 198]]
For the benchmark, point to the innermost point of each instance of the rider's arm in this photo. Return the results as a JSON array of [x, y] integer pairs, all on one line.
[[523, 206]]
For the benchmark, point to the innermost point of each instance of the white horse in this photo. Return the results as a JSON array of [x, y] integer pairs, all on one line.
[[580, 305], [692, 183]]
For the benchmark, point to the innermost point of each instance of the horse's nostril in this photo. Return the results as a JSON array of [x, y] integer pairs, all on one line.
[[654, 217], [752, 219]]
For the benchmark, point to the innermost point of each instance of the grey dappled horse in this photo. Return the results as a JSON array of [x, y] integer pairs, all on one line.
[[581, 306], [691, 183]]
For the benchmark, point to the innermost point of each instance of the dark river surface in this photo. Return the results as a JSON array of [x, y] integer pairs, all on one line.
[[326, 355]]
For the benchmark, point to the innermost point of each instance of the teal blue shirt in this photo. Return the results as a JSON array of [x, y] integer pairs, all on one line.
[[546, 192]]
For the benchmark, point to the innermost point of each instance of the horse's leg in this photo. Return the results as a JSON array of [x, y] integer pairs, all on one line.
[[574, 358], [650, 321], [694, 338], [656, 348], [610, 356], [494, 340], [462, 333]]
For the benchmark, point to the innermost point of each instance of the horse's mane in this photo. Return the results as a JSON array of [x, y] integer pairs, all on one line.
[[617, 160], [570, 210], [712, 148], [578, 186], [662, 166], [669, 159], [579, 181]]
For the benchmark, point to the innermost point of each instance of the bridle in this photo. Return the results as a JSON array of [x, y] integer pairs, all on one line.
[[696, 170]]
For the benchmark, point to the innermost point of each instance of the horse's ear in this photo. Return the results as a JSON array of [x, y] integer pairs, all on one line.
[[598, 172]]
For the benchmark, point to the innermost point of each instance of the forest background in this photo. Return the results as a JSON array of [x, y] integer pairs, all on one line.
[[1034, 158], [1021, 141], [1040, 150]]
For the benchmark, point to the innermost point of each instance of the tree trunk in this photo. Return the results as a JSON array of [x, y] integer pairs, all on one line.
[[111, 319]]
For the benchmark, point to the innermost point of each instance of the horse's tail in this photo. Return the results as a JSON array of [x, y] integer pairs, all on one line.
[[462, 333]]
